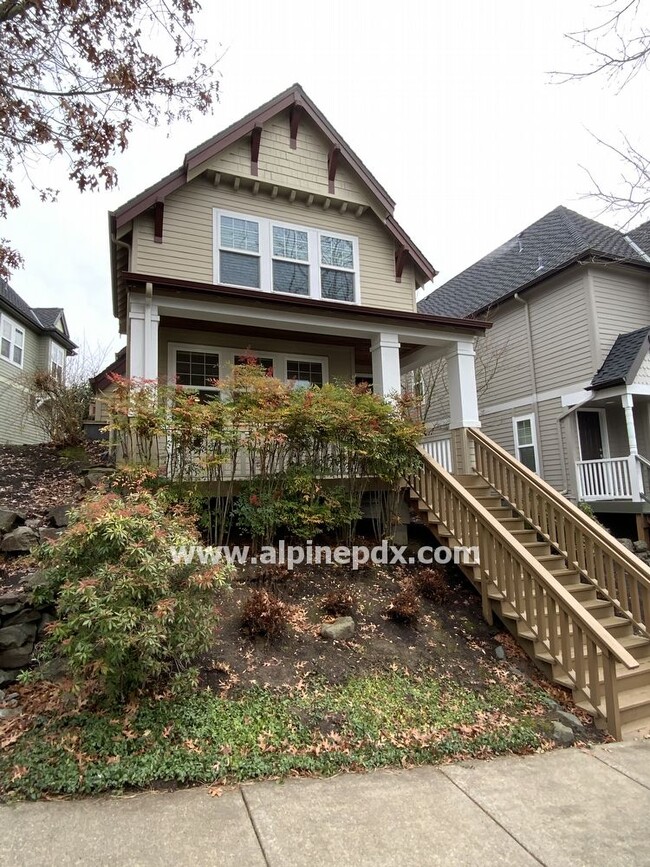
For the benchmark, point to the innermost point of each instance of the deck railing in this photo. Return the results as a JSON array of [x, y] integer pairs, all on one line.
[[575, 640], [585, 544], [439, 448], [605, 479]]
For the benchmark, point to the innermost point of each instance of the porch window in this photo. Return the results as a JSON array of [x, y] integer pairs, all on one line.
[[57, 361], [304, 373], [526, 441], [198, 371], [267, 363], [241, 268], [12, 341], [258, 253]]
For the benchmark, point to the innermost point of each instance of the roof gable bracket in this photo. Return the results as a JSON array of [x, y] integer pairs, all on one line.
[[158, 220], [332, 165], [400, 260], [295, 116], [256, 138]]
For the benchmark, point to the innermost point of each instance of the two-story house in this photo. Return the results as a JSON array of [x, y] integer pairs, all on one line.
[[31, 339], [568, 391], [273, 238]]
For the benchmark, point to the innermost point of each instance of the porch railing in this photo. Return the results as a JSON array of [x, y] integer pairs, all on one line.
[[617, 573], [565, 629], [439, 448], [606, 479]]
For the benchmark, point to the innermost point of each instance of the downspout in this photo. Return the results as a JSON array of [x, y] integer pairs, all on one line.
[[125, 246], [533, 377]]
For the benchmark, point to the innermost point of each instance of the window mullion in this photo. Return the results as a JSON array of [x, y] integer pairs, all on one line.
[[314, 263]]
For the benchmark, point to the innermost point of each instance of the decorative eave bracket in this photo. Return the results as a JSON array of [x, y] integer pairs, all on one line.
[[332, 165], [295, 116], [158, 220], [400, 260], [256, 138]]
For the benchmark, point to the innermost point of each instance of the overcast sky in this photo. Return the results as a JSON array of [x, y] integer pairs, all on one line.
[[448, 103]]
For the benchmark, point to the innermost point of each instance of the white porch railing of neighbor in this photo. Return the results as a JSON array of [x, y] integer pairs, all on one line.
[[440, 450], [607, 479]]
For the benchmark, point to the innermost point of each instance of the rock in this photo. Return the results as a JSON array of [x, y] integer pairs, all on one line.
[[340, 630], [562, 734], [10, 520], [7, 677], [570, 720], [58, 516], [54, 669], [500, 651], [9, 712], [27, 615], [96, 475], [10, 603], [17, 657], [33, 523], [640, 547], [627, 543], [17, 635], [19, 541], [46, 619], [49, 534], [36, 579]]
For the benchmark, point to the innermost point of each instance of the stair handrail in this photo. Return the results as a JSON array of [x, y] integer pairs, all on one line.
[[636, 597], [561, 639]]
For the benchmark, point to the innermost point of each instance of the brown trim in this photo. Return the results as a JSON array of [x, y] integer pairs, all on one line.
[[158, 218], [312, 304], [256, 139], [332, 165], [295, 116], [400, 258], [118, 366], [149, 197]]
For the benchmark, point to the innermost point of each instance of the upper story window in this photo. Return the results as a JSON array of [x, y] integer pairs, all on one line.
[[57, 361], [12, 341], [257, 253]]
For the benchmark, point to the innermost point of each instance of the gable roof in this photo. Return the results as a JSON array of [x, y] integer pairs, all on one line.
[[293, 97], [42, 320], [623, 359], [559, 239]]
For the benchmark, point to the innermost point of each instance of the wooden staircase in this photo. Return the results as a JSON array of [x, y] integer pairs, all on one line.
[[574, 598]]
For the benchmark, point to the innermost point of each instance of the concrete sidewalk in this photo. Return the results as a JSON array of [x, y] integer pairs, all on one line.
[[569, 807]]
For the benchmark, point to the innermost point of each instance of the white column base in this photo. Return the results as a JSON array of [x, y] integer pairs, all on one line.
[[461, 379], [385, 365], [143, 339]]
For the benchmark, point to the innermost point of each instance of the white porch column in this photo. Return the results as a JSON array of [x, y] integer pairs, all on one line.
[[628, 408], [461, 379], [384, 349], [143, 338], [636, 473]]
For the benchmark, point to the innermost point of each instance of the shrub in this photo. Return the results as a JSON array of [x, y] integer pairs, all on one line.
[[264, 615], [58, 408], [432, 584], [339, 603], [404, 607], [128, 617]]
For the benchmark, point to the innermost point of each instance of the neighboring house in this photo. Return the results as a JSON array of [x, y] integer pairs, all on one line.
[[273, 238], [569, 393], [31, 339]]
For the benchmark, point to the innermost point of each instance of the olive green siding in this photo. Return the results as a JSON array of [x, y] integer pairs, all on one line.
[[16, 421]]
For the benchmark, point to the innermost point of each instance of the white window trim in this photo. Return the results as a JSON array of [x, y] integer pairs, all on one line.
[[265, 255], [533, 428], [227, 360], [14, 328], [54, 345], [604, 432]]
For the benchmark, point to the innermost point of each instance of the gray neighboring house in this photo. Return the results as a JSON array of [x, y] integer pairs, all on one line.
[[568, 391], [31, 339]]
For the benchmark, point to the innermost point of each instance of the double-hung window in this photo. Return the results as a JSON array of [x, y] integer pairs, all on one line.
[[12, 341], [258, 253], [57, 361], [526, 441], [239, 252]]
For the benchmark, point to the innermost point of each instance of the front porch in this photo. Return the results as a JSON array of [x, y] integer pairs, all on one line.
[[612, 444], [192, 336]]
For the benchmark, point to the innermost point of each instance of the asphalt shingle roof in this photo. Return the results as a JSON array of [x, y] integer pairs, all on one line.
[[555, 240], [621, 358], [47, 316], [42, 319]]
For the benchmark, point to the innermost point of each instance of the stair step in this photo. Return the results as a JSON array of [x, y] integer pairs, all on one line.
[[582, 592], [538, 549], [634, 703], [551, 560], [524, 536], [601, 609], [566, 576], [511, 524]]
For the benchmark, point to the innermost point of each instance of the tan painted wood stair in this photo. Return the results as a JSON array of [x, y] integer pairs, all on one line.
[[581, 633]]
